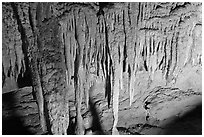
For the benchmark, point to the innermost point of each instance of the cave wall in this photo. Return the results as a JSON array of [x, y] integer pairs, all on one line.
[[66, 51]]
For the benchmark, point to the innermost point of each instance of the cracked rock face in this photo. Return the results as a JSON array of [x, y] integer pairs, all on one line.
[[106, 68]]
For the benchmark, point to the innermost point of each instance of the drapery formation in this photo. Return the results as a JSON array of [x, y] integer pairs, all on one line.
[[70, 45]]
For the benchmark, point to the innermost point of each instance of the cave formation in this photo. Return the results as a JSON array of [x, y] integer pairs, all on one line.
[[102, 68]]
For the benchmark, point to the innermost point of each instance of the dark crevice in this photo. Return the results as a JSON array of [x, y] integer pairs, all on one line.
[[164, 57], [145, 65], [179, 7], [71, 127], [158, 7], [149, 29], [170, 60], [165, 67], [138, 15], [97, 64], [129, 71], [96, 124], [108, 90], [125, 45], [103, 5], [160, 63], [24, 78], [30, 19], [158, 46], [129, 13], [107, 67]]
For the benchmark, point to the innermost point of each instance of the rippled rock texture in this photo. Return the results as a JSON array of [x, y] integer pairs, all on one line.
[[105, 68]]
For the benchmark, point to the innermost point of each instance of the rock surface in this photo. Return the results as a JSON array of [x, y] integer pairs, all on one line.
[[107, 68], [20, 113]]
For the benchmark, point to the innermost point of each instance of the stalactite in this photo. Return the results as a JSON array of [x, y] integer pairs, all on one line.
[[188, 53], [174, 54], [66, 36], [78, 78], [116, 90], [121, 74], [13, 57]]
